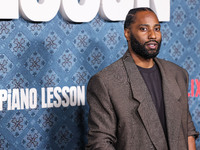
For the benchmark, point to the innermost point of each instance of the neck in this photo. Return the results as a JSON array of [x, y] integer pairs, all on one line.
[[142, 62]]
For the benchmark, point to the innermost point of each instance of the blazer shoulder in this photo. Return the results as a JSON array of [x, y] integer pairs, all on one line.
[[112, 69], [171, 66], [114, 73]]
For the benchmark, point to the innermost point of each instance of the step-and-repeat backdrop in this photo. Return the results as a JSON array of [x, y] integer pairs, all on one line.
[[45, 68]]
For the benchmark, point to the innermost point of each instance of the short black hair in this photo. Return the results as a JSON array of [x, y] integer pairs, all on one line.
[[130, 17]]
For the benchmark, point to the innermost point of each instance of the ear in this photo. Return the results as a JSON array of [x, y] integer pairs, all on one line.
[[127, 34]]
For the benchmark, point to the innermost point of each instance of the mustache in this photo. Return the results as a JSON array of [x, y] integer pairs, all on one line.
[[152, 41]]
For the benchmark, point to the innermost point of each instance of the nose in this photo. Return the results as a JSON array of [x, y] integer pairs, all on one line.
[[152, 34]]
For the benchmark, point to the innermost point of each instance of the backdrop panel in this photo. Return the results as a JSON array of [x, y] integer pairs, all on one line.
[[49, 65]]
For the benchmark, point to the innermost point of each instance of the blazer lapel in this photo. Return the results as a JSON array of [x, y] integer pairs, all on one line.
[[146, 109], [173, 110]]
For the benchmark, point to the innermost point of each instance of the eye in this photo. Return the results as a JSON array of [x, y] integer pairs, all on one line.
[[157, 29], [143, 29]]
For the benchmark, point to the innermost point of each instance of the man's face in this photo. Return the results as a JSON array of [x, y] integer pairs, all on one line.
[[144, 35]]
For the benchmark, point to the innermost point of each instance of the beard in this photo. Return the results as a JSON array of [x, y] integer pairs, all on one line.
[[141, 50]]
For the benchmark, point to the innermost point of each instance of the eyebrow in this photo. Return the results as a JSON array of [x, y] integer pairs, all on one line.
[[148, 25]]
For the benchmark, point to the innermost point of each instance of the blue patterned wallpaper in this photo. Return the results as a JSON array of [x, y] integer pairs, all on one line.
[[65, 55]]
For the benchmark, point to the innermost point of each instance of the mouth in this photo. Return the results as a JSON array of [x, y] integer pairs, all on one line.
[[152, 45]]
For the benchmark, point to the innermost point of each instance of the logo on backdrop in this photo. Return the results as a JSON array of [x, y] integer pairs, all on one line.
[[194, 88], [19, 99], [79, 11]]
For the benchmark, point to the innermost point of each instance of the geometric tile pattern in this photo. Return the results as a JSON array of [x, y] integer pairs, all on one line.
[[63, 54], [6, 27], [111, 39], [5, 66], [96, 58], [178, 16], [50, 79], [190, 31], [47, 120], [63, 137], [81, 77], [32, 140], [35, 63], [67, 60], [176, 50], [52, 42], [17, 82], [19, 45], [82, 41], [17, 124]]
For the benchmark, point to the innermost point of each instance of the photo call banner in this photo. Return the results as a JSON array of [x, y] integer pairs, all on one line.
[[49, 49]]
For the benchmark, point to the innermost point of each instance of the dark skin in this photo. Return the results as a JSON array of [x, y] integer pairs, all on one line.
[[146, 28]]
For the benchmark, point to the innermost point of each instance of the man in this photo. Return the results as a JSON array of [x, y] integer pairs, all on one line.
[[140, 102]]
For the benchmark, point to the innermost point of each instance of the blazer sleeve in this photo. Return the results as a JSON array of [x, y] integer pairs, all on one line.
[[102, 119], [191, 128]]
